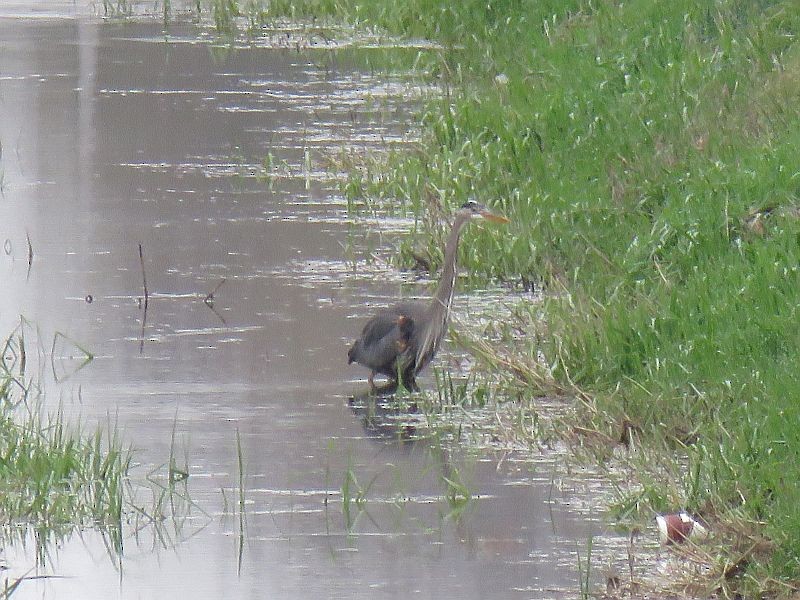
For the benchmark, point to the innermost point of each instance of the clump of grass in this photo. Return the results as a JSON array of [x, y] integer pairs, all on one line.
[[53, 476], [225, 13], [117, 7], [457, 493], [354, 497], [647, 152], [585, 571], [57, 478]]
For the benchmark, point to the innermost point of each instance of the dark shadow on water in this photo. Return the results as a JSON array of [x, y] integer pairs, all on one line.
[[386, 390], [384, 415]]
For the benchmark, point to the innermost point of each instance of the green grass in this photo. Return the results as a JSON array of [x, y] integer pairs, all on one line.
[[53, 476], [648, 154], [57, 479]]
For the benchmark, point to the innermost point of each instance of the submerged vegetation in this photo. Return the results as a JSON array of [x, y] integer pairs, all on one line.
[[648, 152]]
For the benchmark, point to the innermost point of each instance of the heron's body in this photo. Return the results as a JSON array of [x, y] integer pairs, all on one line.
[[401, 341], [388, 342]]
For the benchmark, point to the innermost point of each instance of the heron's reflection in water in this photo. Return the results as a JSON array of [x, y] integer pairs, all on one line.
[[383, 414]]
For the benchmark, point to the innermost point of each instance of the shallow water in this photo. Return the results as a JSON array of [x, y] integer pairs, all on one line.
[[115, 135]]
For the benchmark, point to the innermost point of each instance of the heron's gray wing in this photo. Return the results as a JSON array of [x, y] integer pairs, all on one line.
[[385, 322], [378, 328]]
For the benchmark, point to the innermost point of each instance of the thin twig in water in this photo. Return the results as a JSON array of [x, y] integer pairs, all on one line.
[[30, 255], [16, 151], [630, 557], [209, 299], [23, 356], [209, 302], [242, 517], [146, 298]]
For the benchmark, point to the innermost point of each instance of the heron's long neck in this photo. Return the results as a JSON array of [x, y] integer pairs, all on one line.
[[440, 306]]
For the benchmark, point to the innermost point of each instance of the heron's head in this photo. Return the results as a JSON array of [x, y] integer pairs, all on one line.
[[475, 209]]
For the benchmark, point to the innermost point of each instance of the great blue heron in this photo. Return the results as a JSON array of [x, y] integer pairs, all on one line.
[[400, 341]]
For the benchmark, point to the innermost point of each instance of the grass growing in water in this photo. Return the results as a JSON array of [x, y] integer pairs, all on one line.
[[57, 479], [648, 153], [53, 476], [585, 570]]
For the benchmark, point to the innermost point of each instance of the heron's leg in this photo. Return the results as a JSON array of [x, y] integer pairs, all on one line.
[[371, 380], [406, 375], [410, 383]]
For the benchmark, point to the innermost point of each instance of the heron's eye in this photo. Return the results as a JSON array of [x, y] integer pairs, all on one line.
[[471, 204]]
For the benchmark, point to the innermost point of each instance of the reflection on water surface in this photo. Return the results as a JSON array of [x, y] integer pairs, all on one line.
[[116, 135]]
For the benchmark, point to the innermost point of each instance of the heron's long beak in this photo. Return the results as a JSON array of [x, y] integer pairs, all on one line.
[[490, 216]]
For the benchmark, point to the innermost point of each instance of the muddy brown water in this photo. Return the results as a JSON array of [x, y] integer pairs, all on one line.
[[115, 134]]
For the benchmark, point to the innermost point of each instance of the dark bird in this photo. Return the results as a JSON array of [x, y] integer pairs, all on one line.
[[400, 341]]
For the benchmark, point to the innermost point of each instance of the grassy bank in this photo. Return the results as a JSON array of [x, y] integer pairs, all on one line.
[[648, 152]]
